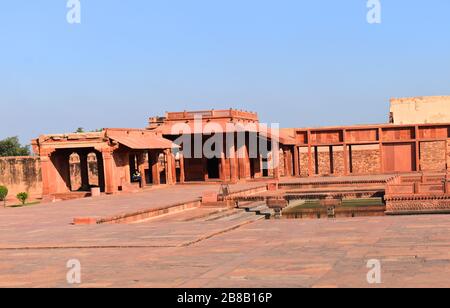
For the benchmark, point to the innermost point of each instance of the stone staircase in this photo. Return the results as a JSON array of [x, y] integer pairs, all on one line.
[[232, 215], [369, 191], [247, 211], [256, 208]]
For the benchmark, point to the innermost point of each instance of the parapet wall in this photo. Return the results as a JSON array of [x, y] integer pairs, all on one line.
[[421, 110], [21, 174]]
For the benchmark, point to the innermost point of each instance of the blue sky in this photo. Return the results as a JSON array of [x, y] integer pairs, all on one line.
[[299, 63]]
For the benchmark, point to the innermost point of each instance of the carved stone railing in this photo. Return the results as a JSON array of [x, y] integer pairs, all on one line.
[[231, 113]]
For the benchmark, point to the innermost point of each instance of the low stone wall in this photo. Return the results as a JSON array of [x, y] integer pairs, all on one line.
[[433, 156], [426, 194], [21, 174], [418, 205]]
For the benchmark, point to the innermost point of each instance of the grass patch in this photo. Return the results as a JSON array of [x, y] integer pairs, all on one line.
[[347, 203], [363, 202], [24, 205]]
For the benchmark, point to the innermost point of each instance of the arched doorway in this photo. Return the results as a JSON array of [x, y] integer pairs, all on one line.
[[86, 171]]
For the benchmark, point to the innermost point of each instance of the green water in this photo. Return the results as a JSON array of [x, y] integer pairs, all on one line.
[[296, 206]]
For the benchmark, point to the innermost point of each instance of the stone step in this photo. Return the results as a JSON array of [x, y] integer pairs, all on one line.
[[223, 215], [240, 217], [336, 189], [258, 208], [68, 196]]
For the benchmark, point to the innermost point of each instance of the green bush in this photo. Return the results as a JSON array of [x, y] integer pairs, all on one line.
[[12, 147], [3, 194], [23, 197]]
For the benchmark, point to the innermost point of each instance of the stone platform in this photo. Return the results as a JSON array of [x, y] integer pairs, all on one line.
[[413, 252], [213, 247]]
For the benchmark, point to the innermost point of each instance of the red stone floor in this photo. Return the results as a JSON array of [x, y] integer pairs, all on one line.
[[62, 213], [414, 252], [238, 250]]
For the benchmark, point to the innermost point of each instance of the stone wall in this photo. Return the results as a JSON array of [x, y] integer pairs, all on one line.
[[421, 110], [432, 156], [304, 161], [421, 206], [21, 174], [366, 159], [338, 160], [448, 155], [323, 160]]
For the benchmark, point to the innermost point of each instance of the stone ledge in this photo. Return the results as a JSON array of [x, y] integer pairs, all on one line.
[[417, 197]]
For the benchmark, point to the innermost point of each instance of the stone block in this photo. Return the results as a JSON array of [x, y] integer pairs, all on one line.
[[95, 192], [272, 186], [84, 221], [277, 203], [210, 197]]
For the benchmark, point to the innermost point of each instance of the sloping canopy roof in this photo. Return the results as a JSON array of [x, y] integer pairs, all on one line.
[[140, 140], [208, 128], [282, 135]]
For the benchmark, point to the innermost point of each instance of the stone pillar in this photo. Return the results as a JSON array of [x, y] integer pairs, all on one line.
[[276, 163], [141, 167], [47, 171], [382, 159], [296, 161], [287, 162], [109, 176], [84, 172], [101, 172], [233, 165], [174, 167], [310, 162], [350, 159], [417, 150], [182, 174], [346, 159], [447, 184], [154, 161], [245, 159], [223, 173], [169, 176]]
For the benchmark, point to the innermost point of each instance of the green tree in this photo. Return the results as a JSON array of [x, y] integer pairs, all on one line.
[[81, 130], [23, 197], [3, 194], [12, 147]]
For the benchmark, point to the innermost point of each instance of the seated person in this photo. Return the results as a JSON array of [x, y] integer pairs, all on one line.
[[136, 176]]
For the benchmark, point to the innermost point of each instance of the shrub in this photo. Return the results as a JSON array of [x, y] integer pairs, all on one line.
[[3, 194], [12, 147], [23, 197]]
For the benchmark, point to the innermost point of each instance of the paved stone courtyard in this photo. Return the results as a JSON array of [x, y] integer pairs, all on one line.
[[237, 250]]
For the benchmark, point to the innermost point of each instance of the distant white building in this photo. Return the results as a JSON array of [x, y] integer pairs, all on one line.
[[420, 110]]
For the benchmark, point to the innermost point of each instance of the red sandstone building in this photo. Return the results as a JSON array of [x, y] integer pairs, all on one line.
[[301, 152], [119, 153]]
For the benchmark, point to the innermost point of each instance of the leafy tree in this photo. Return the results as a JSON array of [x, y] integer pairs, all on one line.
[[12, 147], [81, 130], [23, 197], [3, 194]]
